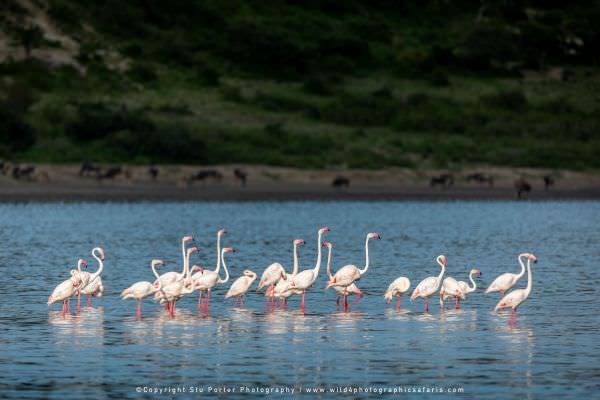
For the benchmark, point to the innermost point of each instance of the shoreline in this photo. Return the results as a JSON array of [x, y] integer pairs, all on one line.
[[63, 184]]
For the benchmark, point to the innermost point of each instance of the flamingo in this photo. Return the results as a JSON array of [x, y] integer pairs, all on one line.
[[464, 286], [65, 290], [169, 277], [515, 298], [199, 274], [172, 292], [451, 288], [140, 290], [352, 289], [210, 279], [241, 285], [507, 280], [94, 286], [428, 286], [307, 278], [348, 274], [282, 289], [397, 288]]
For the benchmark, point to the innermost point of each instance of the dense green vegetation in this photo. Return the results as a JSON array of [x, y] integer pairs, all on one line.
[[308, 83]]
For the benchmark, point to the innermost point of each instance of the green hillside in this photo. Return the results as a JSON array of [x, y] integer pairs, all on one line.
[[356, 84]]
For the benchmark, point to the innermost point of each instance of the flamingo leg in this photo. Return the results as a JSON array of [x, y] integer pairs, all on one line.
[[78, 302], [515, 319], [89, 300], [398, 304], [199, 300], [139, 310], [69, 305], [360, 296], [64, 307], [427, 304], [242, 300], [302, 305], [337, 302]]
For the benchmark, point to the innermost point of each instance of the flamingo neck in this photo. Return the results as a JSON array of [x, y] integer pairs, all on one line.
[[158, 279], [295, 271], [329, 263], [442, 271], [472, 289], [100, 266], [318, 266], [186, 265], [183, 254], [218, 251], [529, 278], [225, 268], [520, 258], [366, 268]]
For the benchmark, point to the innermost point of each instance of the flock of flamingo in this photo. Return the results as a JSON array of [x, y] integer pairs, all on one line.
[[279, 285]]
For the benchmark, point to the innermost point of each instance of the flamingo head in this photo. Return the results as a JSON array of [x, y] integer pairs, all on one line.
[[156, 262], [327, 244], [299, 241], [192, 249], [82, 262], [283, 275], [197, 268], [187, 238], [442, 259], [247, 272], [533, 258], [374, 236], [100, 250], [228, 250], [475, 271], [221, 232], [324, 230]]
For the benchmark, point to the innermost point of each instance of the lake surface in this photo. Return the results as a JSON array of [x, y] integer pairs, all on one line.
[[553, 352]]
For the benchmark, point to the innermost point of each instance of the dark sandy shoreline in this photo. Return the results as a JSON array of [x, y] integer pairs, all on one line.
[[37, 193], [63, 184]]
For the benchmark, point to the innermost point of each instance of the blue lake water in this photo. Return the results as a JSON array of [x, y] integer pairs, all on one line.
[[553, 352]]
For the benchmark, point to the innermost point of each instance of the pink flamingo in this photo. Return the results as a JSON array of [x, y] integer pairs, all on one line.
[[515, 298], [352, 289], [140, 290], [507, 280], [240, 286], [210, 279], [451, 288], [282, 290], [307, 278], [428, 286], [169, 277], [349, 274], [198, 275], [396, 289], [65, 290]]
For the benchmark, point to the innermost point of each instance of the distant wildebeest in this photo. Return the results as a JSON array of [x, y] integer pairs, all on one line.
[[480, 178], [522, 186], [153, 171], [19, 172], [445, 180], [202, 176], [241, 175], [340, 181], [112, 173], [88, 168], [548, 181]]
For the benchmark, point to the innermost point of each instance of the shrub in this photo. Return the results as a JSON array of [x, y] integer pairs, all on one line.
[[316, 84], [97, 121], [512, 100]]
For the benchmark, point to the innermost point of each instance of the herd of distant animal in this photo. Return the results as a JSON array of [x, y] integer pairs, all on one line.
[[89, 169], [170, 287]]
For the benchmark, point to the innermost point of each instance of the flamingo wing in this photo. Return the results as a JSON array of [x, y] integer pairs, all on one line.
[[512, 300], [502, 283], [425, 288]]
